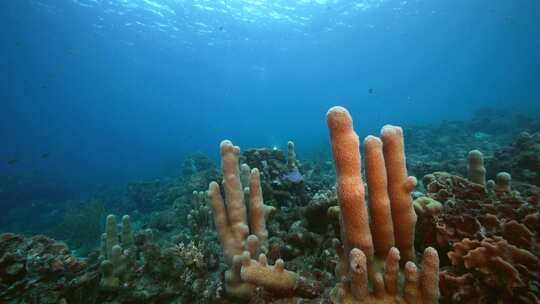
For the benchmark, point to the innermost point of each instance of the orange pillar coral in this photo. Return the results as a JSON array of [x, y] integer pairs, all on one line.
[[400, 187], [390, 188], [392, 218], [379, 201], [350, 188]]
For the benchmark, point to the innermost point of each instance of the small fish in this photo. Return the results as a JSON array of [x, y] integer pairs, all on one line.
[[294, 177], [371, 91], [12, 162], [45, 155], [221, 28]]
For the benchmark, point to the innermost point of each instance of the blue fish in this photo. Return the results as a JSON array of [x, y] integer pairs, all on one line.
[[294, 177]]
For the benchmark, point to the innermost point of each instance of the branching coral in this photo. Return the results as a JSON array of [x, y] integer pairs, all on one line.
[[231, 217], [492, 238], [501, 271], [390, 203], [470, 212], [243, 234]]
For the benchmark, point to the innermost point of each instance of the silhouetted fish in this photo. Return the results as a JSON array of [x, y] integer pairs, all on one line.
[[12, 162], [371, 91], [45, 155]]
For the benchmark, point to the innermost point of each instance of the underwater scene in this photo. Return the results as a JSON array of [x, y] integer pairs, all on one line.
[[270, 151]]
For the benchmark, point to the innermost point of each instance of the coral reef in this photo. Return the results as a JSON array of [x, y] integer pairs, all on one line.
[[521, 158], [41, 270], [147, 196], [241, 241], [81, 226], [496, 227], [282, 180], [444, 146], [491, 270], [269, 232]]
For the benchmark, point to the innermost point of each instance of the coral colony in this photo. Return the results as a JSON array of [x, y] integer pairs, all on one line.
[[272, 229]]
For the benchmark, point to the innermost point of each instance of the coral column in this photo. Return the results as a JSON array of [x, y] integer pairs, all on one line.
[[382, 227], [400, 187], [350, 188]]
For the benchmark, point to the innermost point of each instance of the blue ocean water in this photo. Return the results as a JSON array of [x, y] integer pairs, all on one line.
[[103, 92]]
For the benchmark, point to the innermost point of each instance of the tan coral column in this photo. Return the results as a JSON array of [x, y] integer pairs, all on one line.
[[399, 189], [350, 188], [258, 211], [379, 202], [234, 192]]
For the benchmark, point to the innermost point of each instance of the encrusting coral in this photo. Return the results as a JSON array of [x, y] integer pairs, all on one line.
[[426, 206], [390, 203]]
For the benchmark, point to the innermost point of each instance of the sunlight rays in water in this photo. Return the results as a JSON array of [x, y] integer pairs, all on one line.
[[216, 19]]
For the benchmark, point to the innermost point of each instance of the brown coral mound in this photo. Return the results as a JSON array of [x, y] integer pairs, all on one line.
[[492, 238], [471, 212], [522, 158], [38, 270], [491, 269]]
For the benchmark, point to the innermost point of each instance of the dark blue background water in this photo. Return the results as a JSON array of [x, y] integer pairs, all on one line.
[[122, 90]]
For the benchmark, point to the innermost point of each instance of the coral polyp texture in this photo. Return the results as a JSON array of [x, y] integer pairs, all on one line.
[[393, 218]]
